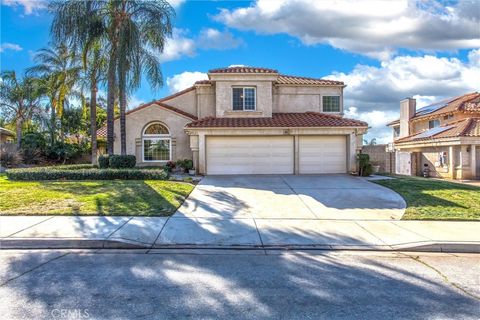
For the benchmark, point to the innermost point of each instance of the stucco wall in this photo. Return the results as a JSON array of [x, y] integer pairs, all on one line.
[[136, 122], [303, 99], [206, 101], [223, 99], [380, 157], [185, 102]]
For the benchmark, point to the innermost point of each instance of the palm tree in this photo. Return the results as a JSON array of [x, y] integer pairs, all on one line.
[[21, 98], [94, 66], [133, 30], [59, 68]]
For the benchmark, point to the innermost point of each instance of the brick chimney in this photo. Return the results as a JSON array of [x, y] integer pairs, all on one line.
[[407, 111]]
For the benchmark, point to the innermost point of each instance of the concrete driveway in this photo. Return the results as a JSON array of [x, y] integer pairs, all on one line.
[[292, 197]]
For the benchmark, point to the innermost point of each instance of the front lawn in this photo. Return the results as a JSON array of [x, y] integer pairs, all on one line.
[[429, 199], [108, 197]]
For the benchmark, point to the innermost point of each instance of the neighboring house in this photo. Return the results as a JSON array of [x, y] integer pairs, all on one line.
[[247, 120], [6, 136], [445, 136]]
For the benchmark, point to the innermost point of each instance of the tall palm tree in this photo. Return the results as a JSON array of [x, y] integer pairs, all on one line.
[[129, 27], [20, 99], [60, 70], [94, 66]]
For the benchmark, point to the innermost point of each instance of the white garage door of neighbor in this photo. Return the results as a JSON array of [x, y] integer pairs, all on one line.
[[322, 154], [250, 155]]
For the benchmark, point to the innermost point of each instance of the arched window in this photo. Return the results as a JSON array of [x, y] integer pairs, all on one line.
[[156, 143]]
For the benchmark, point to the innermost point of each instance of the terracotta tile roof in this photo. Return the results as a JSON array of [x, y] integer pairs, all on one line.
[[393, 122], [469, 102], [102, 132], [468, 127], [285, 79], [203, 82], [242, 69], [280, 120]]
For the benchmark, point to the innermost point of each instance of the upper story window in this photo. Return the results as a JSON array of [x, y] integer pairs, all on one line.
[[433, 124], [331, 103], [396, 131], [244, 99]]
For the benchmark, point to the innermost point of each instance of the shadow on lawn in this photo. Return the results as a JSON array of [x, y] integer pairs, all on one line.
[[160, 286], [119, 197]]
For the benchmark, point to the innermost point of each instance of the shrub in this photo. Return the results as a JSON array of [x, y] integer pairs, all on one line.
[[10, 156], [33, 147], [170, 165], [103, 161], [119, 161], [46, 173], [63, 151], [185, 164], [364, 166]]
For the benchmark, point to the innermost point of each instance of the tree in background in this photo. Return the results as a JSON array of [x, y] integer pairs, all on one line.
[[19, 99], [130, 30], [59, 70]]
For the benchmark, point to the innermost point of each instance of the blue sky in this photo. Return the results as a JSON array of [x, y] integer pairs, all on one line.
[[384, 51]]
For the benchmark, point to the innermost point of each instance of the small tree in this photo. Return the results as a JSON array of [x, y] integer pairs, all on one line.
[[19, 99]]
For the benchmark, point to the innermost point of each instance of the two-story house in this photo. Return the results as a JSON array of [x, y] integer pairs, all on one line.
[[246, 120], [443, 137]]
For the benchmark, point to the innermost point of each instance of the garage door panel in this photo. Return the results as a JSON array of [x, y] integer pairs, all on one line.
[[250, 155], [322, 154]]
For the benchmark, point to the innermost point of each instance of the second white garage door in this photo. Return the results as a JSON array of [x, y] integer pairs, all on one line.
[[322, 154], [250, 155]]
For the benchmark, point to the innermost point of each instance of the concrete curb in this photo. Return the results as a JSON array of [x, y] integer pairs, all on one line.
[[119, 243]]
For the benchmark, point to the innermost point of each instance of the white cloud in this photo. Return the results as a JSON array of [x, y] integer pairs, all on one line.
[[373, 93], [29, 6], [184, 80], [178, 46], [373, 28], [176, 3], [210, 38], [134, 102], [10, 46]]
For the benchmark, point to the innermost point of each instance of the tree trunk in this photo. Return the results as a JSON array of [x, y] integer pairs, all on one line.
[[93, 120], [52, 124], [19, 125], [122, 87], [111, 100]]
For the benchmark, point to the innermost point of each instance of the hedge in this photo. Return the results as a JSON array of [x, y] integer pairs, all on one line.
[[118, 161], [45, 173]]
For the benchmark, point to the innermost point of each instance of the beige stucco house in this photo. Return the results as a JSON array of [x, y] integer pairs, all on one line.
[[246, 120], [443, 137]]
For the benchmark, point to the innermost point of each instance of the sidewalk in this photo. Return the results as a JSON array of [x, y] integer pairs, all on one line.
[[42, 232]]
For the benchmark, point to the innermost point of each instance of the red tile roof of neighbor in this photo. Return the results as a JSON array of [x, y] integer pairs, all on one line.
[[469, 102], [468, 127], [280, 120]]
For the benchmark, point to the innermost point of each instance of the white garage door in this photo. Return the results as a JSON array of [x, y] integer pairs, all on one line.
[[322, 154], [250, 155]]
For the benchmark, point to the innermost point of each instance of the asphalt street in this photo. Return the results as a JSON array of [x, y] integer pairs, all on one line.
[[211, 284]]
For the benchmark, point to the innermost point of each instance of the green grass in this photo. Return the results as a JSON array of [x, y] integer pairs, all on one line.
[[429, 199], [107, 197]]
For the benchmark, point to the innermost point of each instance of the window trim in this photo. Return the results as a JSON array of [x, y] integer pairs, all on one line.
[[339, 103], [254, 97], [433, 120], [164, 137]]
